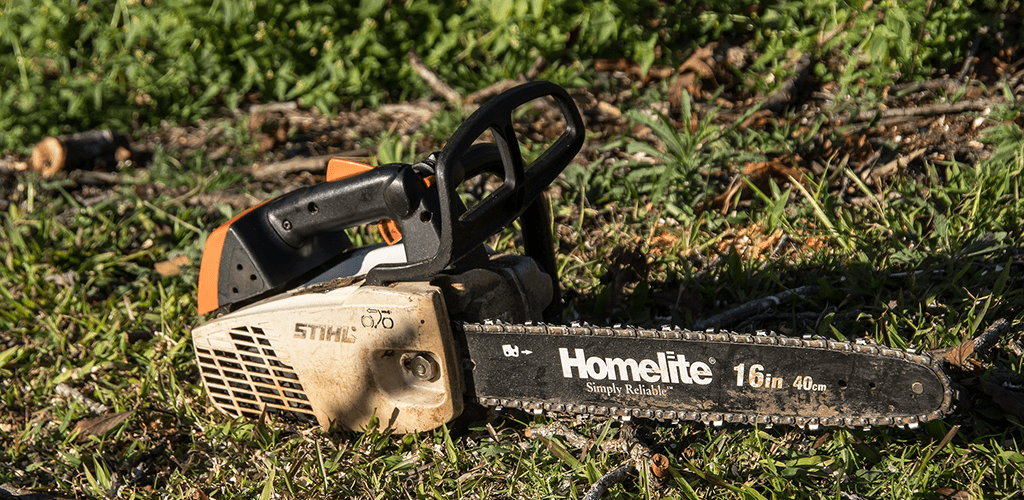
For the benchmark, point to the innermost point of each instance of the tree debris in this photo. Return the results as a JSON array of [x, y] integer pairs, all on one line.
[[82, 150], [757, 306], [619, 475], [8, 491], [449, 94], [640, 455], [67, 392], [315, 164], [959, 356]]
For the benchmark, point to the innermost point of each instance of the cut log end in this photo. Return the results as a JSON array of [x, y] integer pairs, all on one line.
[[91, 149], [48, 157]]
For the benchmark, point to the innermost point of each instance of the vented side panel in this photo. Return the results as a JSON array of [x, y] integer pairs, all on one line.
[[250, 378]]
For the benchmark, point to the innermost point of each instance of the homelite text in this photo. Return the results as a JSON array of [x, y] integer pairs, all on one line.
[[667, 368]]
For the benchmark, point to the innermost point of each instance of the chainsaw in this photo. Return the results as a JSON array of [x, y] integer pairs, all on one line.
[[404, 334]]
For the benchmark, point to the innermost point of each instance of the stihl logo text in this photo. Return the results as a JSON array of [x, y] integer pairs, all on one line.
[[326, 333], [666, 368]]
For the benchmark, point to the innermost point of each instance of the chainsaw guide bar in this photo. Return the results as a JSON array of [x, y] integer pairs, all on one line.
[[673, 374]]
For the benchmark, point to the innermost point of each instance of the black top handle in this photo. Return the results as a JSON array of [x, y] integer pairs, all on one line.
[[460, 231]]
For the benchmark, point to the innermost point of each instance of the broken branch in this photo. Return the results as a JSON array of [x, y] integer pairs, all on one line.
[[944, 108], [754, 307], [314, 164], [433, 81], [617, 476], [67, 392]]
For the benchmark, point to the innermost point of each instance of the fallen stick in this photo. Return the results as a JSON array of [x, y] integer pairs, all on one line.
[[67, 392], [946, 85], [81, 150], [493, 90], [944, 108], [754, 307], [433, 81], [7, 490], [969, 61], [640, 455], [617, 476], [496, 88], [891, 167], [315, 164]]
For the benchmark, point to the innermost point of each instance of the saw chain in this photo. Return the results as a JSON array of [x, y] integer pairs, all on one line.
[[403, 335], [769, 379]]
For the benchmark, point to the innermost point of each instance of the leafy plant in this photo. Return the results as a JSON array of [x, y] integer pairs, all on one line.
[[68, 66]]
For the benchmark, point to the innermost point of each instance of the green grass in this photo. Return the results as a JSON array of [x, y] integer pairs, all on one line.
[[924, 258]]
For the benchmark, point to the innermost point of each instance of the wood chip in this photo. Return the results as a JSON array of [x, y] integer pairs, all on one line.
[[172, 266]]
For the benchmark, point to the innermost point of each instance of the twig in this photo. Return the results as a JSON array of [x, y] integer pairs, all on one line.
[[754, 307], [275, 107], [94, 178], [617, 476], [433, 81], [963, 354], [496, 88], [947, 85], [920, 34], [493, 90], [926, 110], [7, 490], [539, 65], [783, 242], [558, 429], [987, 339], [969, 62], [315, 164], [640, 456], [67, 392], [864, 168], [824, 38], [238, 202], [892, 166]]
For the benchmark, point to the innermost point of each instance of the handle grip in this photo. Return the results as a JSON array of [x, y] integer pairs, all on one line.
[[386, 192], [461, 231], [282, 242]]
